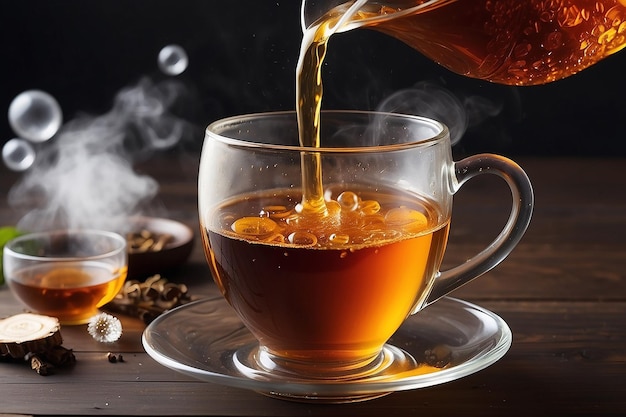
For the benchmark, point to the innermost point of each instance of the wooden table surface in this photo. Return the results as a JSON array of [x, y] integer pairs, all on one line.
[[562, 292]]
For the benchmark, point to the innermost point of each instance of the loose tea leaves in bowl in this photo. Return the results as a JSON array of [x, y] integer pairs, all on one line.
[[156, 245], [147, 241]]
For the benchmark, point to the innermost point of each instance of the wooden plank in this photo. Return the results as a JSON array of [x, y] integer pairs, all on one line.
[[562, 291], [546, 272], [566, 358]]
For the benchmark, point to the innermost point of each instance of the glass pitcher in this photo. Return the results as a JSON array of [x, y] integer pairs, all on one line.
[[516, 42]]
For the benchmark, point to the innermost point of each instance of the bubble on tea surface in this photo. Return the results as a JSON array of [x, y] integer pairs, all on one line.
[[302, 238], [173, 60], [406, 219], [18, 154], [274, 238], [348, 200], [339, 239], [369, 207], [35, 115], [333, 208], [254, 226], [275, 212]]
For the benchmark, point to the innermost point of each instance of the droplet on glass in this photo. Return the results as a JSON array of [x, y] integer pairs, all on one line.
[[35, 115], [173, 60], [18, 154]]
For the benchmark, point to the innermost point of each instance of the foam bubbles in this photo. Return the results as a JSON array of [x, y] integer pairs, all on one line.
[[173, 60], [18, 154], [35, 115]]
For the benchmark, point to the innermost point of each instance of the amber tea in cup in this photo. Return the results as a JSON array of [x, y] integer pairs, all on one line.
[[322, 291], [324, 285], [66, 274]]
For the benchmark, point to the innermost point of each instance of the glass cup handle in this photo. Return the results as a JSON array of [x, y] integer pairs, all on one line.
[[519, 219]]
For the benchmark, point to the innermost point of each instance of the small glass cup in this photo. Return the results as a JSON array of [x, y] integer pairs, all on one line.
[[66, 274]]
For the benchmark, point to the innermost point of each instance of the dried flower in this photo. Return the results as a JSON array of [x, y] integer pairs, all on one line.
[[105, 328]]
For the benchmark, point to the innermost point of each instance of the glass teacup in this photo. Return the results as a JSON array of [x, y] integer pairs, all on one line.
[[323, 290]]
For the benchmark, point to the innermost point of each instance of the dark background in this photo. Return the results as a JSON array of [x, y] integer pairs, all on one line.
[[242, 57]]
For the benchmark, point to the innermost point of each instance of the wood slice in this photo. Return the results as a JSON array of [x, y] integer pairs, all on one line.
[[26, 333]]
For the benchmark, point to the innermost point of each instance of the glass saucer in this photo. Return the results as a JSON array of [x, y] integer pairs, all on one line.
[[446, 341]]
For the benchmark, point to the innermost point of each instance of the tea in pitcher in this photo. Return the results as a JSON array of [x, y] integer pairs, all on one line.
[[517, 42]]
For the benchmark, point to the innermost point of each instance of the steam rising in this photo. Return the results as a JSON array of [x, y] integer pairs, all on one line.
[[83, 178], [436, 102]]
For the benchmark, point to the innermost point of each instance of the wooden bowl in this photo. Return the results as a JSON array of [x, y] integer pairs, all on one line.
[[172, 254]]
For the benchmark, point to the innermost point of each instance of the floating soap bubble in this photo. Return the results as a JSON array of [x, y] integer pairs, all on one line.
[[35, 115], [18, 154], [173, 60]]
